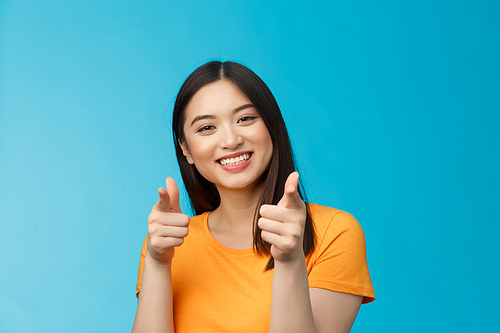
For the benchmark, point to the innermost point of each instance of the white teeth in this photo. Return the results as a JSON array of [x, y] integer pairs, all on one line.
[[235, 160]]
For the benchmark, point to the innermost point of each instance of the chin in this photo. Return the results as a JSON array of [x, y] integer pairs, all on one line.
[[243, 185]]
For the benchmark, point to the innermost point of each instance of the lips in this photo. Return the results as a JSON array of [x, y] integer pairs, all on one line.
[[235, 159]]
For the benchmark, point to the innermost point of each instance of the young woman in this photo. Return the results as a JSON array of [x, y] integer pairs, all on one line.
[[256, 258]]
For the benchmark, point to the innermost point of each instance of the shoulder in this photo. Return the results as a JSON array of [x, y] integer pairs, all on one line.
[[338, 261], [198, 220], [333, 221]]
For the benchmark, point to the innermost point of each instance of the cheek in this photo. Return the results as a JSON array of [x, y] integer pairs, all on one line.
[[266, 145], [265, 138], [200, 151], [203, 161]]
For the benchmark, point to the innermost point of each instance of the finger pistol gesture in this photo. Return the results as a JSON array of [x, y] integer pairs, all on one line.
[[167, 226], [283, 224]]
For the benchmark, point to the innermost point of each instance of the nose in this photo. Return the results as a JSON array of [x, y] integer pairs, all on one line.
[[230, 138]]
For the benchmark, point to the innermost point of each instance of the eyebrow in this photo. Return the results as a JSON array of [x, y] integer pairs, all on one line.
[[210, 116]]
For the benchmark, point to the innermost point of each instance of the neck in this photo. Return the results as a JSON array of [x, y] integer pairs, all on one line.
[[237, 207]]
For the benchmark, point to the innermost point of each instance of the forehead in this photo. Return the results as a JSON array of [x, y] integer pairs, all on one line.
[[215, 98]]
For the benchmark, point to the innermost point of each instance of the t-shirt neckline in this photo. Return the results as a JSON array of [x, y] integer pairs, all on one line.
[[217, 244]]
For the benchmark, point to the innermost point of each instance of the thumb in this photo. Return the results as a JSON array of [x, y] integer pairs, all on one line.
[[173, 192], [291, 197]]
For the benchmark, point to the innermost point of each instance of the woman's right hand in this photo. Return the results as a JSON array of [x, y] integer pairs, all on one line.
[[167, 226]]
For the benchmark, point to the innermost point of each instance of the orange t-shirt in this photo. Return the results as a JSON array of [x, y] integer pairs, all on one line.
[[219, 289]]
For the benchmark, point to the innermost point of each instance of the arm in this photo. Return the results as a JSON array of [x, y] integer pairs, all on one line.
[[333, 311], [167, 227], [154, 309], [297, 308], [291, 309], [294, 306]]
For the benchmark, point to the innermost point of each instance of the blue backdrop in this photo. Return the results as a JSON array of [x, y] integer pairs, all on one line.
[[392, 106]]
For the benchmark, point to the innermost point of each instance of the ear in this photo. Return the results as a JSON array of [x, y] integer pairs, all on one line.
[[185, 151]]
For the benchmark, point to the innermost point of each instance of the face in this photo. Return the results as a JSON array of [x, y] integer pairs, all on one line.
[[225, 137]]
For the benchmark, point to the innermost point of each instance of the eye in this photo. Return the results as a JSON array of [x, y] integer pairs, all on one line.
[[246, 118], [205, 128]]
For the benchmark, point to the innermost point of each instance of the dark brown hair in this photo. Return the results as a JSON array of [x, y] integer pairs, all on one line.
[[202, 193]]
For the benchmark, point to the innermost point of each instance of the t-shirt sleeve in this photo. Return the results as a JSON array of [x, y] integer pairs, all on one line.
[[338, 262], [141, 265]]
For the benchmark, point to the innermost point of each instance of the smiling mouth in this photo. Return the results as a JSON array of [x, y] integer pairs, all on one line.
[[235, 160]]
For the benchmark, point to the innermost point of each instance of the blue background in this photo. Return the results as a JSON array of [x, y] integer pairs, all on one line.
[[392, 106]]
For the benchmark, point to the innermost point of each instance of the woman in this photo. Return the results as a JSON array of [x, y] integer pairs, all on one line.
[[256, 258]]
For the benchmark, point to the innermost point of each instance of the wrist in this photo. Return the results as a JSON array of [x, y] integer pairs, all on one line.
[[298, 262], [155, 264]]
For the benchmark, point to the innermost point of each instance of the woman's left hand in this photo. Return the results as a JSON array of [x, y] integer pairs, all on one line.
[[283, 224]]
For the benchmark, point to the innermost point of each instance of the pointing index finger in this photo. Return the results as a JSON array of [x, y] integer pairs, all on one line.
[[163, 204], [173, 192], [291, 197]]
